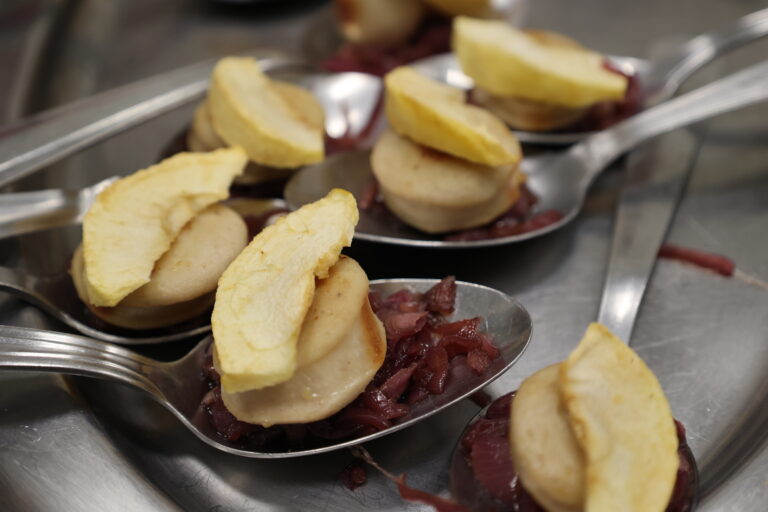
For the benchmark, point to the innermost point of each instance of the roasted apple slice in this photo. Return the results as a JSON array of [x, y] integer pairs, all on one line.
[[530, 115], [247, 110], [264, 295], [304, 105], [436, 192], [134, 221], [341, 347], [436, 115], [509, 62], [202, 136]]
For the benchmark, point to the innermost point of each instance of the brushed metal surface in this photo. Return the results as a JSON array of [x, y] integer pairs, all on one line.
[[102, 447]]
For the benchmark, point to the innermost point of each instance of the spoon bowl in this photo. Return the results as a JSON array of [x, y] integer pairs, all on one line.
[[180, 387], [560, 181]]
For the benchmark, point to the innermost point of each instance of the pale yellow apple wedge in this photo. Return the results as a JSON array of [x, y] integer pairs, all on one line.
[[623, 423], [203, 137], [134, 221], [508, 62], [246, 110], [436, 115], [302, 102], [264, 295], [341, 347]]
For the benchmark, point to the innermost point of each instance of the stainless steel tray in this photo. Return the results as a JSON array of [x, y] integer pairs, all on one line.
[[85, 445]]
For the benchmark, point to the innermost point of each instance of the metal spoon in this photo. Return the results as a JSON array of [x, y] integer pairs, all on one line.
[[55, 294], [559, 180], [179, 387], [659, 79]]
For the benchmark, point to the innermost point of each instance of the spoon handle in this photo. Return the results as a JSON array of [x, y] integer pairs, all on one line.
[[647, 204], [45, 138], [735, 91], [27, 212], [676, 67], [26, 349]]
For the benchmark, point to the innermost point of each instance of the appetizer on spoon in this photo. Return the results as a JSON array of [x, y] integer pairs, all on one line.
[[559, 182], [593, 433], [302, 355], [154, 245], [296, 343]]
